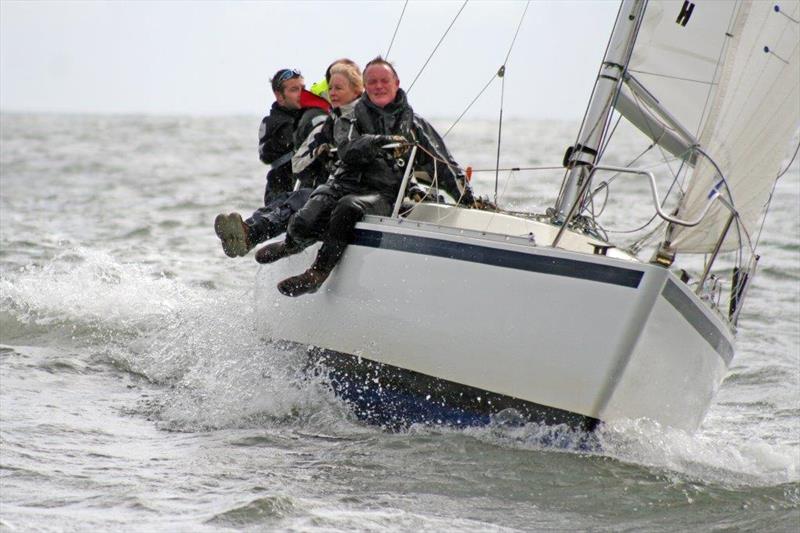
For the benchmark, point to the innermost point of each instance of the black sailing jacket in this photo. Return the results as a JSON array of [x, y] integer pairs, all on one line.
[[282, 132], [365, 167], [275, 140]]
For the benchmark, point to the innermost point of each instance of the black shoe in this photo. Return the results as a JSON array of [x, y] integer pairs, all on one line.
[[274, 251], [233, 233], [306, 283]]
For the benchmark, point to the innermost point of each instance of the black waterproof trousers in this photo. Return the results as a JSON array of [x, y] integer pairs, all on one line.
[[331, 215], [273, 219]]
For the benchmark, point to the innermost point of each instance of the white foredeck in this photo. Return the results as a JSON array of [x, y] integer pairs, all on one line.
[[489, 222]]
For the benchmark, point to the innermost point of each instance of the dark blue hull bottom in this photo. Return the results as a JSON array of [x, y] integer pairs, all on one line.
[[396, 398]]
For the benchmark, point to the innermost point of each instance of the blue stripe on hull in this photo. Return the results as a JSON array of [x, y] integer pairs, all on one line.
[[498, 257], [395, 398], [702, 324]]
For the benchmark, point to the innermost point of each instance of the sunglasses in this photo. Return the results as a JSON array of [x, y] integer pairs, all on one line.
[[284, 75]]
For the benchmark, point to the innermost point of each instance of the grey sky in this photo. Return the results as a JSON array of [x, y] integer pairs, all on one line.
[[216, 57]]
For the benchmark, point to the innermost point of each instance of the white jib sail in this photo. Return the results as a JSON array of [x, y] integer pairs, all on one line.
[[753, 116]]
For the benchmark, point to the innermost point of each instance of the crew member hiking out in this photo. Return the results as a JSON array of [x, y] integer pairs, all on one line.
[[295, 114], [368, 178]]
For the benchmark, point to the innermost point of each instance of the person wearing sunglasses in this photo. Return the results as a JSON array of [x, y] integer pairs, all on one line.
[[276, 134]]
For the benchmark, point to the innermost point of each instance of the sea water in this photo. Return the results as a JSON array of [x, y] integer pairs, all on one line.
[[136, 395]]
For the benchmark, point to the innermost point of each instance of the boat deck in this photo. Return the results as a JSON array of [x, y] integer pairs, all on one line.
[[502, 227]]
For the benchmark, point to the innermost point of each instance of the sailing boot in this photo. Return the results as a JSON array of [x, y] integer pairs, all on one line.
[[234, 234], [274, 251], [306, 283], [312, 279]]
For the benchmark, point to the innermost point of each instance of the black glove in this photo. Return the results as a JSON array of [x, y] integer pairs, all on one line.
[[397, 152], [483, 203], [467, 199]]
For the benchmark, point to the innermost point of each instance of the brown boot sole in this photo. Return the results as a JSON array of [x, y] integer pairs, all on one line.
[[273, 251], [305, 283], [232, 231]]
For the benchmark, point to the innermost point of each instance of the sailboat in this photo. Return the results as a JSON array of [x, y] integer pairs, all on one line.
[[576, 329]]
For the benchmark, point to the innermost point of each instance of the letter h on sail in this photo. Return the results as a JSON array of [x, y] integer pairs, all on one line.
[[685, 14]]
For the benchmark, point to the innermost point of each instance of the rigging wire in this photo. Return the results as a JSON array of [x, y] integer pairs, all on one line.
[[676, 175], [739, 227], [780, 175], [567, 173], [519, 25], [652, 136], [501, 73], [437, 46], [439, 159], [496, 75], [397, 27], [453, 125], [731, 207], [771, 194]]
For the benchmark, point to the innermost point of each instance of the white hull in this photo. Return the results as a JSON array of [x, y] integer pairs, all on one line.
[[601, 337]]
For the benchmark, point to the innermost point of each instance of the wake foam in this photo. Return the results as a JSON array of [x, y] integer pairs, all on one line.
[[725, 460], [198, 345]]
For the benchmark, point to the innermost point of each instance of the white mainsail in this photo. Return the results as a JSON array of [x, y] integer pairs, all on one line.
[[676, 59], [754, 115]]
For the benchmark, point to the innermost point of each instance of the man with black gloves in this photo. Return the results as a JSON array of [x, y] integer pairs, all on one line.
[[368, 178]]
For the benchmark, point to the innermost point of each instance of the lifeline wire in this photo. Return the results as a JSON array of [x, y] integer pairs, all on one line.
[[395, 30], [437, 46]]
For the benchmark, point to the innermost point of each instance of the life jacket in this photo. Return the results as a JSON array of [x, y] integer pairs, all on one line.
[[309, 99]]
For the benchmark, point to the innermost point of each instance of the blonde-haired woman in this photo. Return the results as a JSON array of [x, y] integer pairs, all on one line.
[[344, 89]]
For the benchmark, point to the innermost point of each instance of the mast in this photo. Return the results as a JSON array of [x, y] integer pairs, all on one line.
[[581, 158]]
